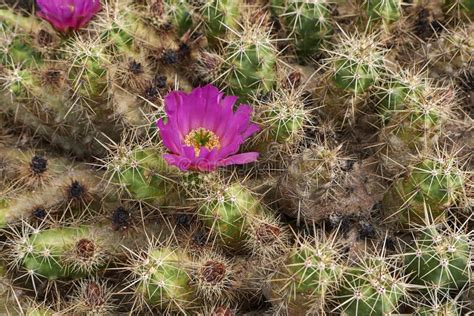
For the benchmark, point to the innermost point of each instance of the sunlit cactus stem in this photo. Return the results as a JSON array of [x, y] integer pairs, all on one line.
[[425, 193], [161, 280], [439, 261], [307, 23], [220, 16], [371, 287], [307, 278], [250, 61], [414, 129], [387, 10], [63, 253], [145, 176], [227, 213], [354, 66]]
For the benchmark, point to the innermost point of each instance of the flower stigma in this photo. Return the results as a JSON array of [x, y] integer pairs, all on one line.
[[201, 137]]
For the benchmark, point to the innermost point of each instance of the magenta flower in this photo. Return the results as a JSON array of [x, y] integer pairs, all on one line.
[[202, 131], [65, 15]]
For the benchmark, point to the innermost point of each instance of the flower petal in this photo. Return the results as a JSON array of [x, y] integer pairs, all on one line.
[[183, 163], [239, 159], [169, 137]]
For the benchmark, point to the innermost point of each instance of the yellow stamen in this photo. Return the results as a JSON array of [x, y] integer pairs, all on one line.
[[201, 137]]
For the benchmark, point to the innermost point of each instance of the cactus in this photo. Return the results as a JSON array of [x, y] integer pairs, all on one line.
[[308, 277], [307, 23], [250, 60], [456, 43], [353, 67], [122, 193], [371, 287], [177, 13], [313, 178], [219, 17], [439, 260], [357, 64], [398, 90], [61, 253], [267, 238], [212, 276], [425, 193], [41, 188], [227, 213], [440, 310], [413, 130], [284, 116], [143, 174], [387, 10], [161, 280], [438, 303], [459, 8]]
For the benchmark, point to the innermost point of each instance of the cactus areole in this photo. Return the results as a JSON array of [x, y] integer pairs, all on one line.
[[67, 15], [202, 132]]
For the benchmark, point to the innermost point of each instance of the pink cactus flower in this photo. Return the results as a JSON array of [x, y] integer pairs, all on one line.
[[202, 132], [66, 15]]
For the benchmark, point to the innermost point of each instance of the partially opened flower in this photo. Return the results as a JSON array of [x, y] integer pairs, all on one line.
[[65, 15], [202, 131]]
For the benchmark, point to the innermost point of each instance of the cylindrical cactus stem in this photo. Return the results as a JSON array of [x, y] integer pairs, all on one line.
[[89, 68], [31, 38], [437, 302], [459, 9], [312, 180], [161, 280], [39, 98], [66, 191], [227, 213], [394, 92], [250, 61], [143, 174], [354, 66], [220, 16], [307, 23], [447, 309], [387, 10], [171, 14], [29, 169], [413, 130], [451, 55], [206, 66], [307, 278], [439, 259], [371, 286], [284, 116], [430, 187], [34, 308], [62, 253]]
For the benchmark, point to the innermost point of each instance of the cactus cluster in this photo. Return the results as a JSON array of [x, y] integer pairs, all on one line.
[[226, 157]]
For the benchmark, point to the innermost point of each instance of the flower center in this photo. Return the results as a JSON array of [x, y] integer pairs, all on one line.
[[201, 137]]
